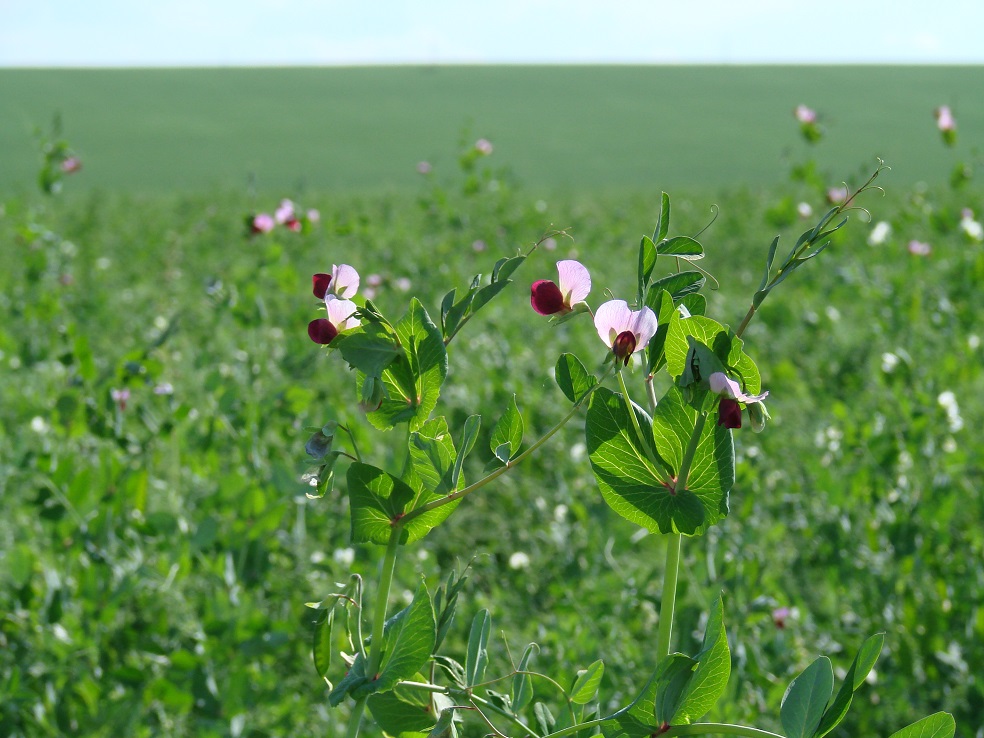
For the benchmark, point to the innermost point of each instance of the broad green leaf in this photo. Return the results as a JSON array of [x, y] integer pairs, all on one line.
[[672, 678], [709, 332], [369, 348], [678, 285], [636, 720], [586, 685], [413, 382], [522, 684], [432, 460], [682, 247], [938, 725], [630, 479], [355, 682], [321, 646], [572, 378], [408, 641], [477, 657], [860, 668], [712, 470], [507, 436], [806, 699], [710, 677], [377, 500], [694, 303], [402, 713]]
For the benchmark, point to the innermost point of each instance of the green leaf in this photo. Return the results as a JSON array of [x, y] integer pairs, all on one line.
[[504, 268], [545, 720], [572, 378], [663, 222], [710, 677], [355, 682], [862, 665], [770, 259], [477, 657], [401, 713], [712, 470], [445, 725], [587, 682], [682, 247], [432, 460], [636, 720], [453, 314], [630, 481], [470, 435], [678, 285], [708, 332], [806, 699], [377, 500], [662, 305], [672, 677], [369, 348], [408, 641], [939, 725], [647, 261], [321, 646], [413, 382], [507, 436], [522, 684]]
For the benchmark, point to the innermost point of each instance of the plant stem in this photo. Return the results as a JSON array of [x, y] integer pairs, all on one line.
[[719, 729], [667, 604], [526, 730], [382, 599], [355, 719], [577, 728]]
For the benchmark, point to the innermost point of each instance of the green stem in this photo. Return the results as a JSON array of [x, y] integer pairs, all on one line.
[[667, 604], [651, 393], [382, 599], [355, 719], [719, 729], [576, 728], [526, 730]]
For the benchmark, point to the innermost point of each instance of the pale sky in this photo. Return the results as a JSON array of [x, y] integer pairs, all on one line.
[[361, 32]]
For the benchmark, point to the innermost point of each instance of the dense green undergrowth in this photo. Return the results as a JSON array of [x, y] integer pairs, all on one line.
[[156, 550]]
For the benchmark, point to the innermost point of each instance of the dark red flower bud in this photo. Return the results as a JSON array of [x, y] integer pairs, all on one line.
[[322, 331], [546, 298], [293, 225], [321, 282], [623, 346], [729, 413]]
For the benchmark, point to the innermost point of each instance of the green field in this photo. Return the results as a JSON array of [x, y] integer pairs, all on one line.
[[156, 555], [576, 128]]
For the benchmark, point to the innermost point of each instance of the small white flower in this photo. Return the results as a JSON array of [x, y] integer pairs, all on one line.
[[519, 560], [880, 233], [344, 556]]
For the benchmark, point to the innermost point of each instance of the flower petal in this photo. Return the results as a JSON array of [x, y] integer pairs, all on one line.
[[729, 413], [321, 331], [546, 297], [341, 312], [321, 283], [611, 318], [643, 324], [720, 384], [345, 280], [575, 281]]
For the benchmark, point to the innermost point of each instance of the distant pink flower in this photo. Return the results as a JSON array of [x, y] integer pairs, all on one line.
[[342, 282], [120, 396], [919, 248], [424, 167], [313, 215], [804, 210], [805, 114], [71, 165], [550, 298], [284, 212], [403, 284], [944, 118], [623, 330], [262, 223], [780, 615], [550, 244], [837, 195], [478, 245], [483, 146], [341, 317], [374, 280]]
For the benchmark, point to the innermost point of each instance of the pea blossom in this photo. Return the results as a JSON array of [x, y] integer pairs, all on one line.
[[805, 114], [340, 318], [342, 282], [947, 124], [729, 409], [261, 223], [549, 298], [623, 330]]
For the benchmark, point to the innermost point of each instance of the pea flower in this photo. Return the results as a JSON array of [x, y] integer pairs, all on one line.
[[947, 124], [284, 212], [547, 298], [729, 409], [262, 223], [625, 331], [340, 318], [342, 282], [71, 165], [483, 146], [805, 114]]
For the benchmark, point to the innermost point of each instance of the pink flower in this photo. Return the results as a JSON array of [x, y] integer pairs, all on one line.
[[424, 167], [547, 298], [71, 165], [780, 615], [483, 146], [837, 195], [120, 396], [313, 215], [262, 223], [919, 248], [342, 282], [285, 212], [944, 119], [729, 409], [340, 318], [805, 114], [625, 331], [293, 225]]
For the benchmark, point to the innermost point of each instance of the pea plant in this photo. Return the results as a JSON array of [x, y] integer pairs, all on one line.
[[665, 463]]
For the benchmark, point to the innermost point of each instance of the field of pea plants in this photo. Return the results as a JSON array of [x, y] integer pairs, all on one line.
[[200, 460]]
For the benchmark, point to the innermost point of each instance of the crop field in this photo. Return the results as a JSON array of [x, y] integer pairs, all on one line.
[[158, 542]]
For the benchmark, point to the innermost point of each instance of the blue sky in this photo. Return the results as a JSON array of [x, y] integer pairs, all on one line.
[[317, 32]]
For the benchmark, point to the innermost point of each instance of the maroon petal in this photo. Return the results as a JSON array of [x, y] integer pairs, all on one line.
[[624, 345], [321, 282], [729, 413], [546, 297], [322, 331]]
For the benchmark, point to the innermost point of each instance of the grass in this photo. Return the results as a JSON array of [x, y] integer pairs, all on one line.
[[557, 128]]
